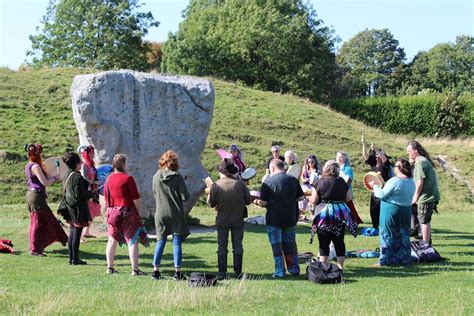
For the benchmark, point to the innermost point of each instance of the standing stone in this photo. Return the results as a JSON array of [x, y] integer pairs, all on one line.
[[143, 115]]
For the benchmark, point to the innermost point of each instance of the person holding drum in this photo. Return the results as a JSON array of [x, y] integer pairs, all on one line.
[[309, 176], [237, 157], [378, 161], [89, 172], [44, 227]]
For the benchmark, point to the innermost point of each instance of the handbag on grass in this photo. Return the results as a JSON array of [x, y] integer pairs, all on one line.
[[316, 273]]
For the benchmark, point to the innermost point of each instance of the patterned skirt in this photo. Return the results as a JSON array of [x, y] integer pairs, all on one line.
[[125, 226], [394, 234], [334, 216]]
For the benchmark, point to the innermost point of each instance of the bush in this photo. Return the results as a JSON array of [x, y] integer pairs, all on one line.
[[427, 115]]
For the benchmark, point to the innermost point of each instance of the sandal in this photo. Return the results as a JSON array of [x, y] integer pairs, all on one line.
[[111, 271], [138, 272]]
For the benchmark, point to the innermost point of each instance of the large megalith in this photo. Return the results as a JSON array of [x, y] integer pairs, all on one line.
[[142, 115]]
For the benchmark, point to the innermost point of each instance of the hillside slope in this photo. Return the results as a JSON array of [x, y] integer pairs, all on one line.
[[35, 107]]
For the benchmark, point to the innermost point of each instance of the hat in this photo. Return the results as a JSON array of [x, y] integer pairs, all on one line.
[[227, 167]]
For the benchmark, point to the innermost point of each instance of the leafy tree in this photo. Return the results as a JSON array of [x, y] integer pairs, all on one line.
[[368, 62], [100, 34], [446, 66], [276, 45]]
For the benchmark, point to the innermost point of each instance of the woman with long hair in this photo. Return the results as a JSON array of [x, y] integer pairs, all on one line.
[[170, 191], [89, 172], [310, 174], [44, 227], [237, 157], [395, 215], [123, 218]]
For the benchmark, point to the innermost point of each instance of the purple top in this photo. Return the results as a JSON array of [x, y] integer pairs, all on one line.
[[34, 183]]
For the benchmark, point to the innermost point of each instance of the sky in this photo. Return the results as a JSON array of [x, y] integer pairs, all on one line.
[[418, 25]]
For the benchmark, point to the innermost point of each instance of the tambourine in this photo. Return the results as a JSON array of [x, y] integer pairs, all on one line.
[[376, 177]]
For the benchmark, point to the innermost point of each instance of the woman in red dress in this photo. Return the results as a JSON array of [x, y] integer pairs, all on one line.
[[44, 227]]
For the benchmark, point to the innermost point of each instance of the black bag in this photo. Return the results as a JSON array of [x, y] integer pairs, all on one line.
[[421, 251], [63, 209], [317, 273], [202, 279]]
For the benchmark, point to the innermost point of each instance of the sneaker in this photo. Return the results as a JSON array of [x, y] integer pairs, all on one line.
[[178, 276], [277, 276], [78, 262], [111, 271], [156, 275], [138, 272]]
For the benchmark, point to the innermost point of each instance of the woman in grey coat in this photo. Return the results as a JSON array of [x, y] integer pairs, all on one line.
[[170, 192]]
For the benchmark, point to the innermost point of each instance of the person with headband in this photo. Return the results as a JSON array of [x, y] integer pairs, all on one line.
[[89, 172], [44, 227]]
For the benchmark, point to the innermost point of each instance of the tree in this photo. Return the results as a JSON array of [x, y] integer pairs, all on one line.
[[101, 34], [446, 66], [268, 44], [368, 61]]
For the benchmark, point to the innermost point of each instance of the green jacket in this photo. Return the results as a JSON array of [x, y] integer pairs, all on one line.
[[76, 197], [170, 192]]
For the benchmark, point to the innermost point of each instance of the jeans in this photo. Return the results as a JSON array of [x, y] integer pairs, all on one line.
[[283, 241], [177, 251]]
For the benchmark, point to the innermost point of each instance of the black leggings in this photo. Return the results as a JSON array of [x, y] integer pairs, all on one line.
[[73, 243], [325, 239]]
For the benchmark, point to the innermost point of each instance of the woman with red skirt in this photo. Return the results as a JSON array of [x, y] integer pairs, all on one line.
[[44, 227]]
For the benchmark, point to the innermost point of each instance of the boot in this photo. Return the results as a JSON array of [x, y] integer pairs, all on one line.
[[238, 258], [222, 266]]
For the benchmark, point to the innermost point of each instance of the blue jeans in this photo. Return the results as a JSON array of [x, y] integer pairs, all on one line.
[[283, 241], [177, 251]]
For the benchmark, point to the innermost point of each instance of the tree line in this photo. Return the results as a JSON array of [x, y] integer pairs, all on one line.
[[274, 45]]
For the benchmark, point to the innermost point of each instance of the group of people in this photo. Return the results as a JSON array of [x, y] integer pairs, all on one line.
[[287, 191]]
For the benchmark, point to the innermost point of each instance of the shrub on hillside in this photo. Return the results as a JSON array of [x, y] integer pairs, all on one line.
[[427, 115]]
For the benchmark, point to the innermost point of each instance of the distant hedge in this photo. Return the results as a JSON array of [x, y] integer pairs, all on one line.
[[426, 115]]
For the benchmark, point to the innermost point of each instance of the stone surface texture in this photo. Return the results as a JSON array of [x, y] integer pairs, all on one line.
[[143, 115]]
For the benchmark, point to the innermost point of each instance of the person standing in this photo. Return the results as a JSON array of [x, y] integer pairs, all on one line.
[[280, 194], [76, 195], [426, 180], [294, 169], [378, 161], [44, 227], [237, 157], [89, 172], [124, 224], [275, 155], [395, 215], [170, 191], [229, 195], [330, 195], [346, 173]]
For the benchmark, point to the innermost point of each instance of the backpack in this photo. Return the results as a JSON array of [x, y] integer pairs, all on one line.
[[316, 273], [421, 251], [202, 279]]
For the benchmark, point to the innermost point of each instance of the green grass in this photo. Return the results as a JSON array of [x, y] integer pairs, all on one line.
[[32, 285], [35, 107]]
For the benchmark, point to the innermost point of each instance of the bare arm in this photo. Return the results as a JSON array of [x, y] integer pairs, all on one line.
[[260, 202], [349, 196], [137, 204], [46, 181], [419, 187], [313, 198]]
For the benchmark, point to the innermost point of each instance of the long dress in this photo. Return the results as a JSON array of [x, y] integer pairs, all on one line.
[[44, 227], [395, 219], [90, 173]]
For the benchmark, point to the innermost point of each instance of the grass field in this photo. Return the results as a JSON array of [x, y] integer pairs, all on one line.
[[35, 106]]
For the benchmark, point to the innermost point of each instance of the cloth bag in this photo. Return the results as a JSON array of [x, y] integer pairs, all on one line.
[[316, 273]]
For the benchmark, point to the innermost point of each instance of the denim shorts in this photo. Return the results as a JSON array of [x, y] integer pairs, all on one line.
[[425, 211]]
